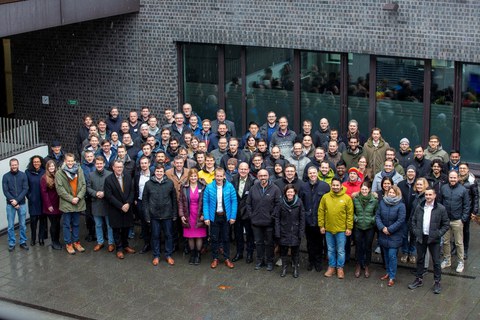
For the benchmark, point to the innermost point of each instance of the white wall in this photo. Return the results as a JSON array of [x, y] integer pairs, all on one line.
[[23, 159]]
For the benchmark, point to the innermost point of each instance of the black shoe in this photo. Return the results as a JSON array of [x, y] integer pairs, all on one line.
[[186, 250], [465, 256], [145, 249], [191, 261], [197, 259], [56, 246], [249, 258], [32, 243], [259, 265], [309, 267], [41, 242], [89, 238], [437, 288], [270, 266], [318, 268], [415, 284], [24, 246], [11, 248], [295, 271], [237, 257], [284, 271]]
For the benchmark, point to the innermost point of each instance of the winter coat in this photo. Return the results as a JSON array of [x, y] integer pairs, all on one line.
[[364, 214], [355, 186], [439, 223], [375, 155], [377, 180], [408, 195], [229, 196], [281, 183], [116, 198], [263, 205], [65, 192], [177, 182], [335, 212], [437, 183], [159, 200], [423, 166], [350, 158], [33, 195], [15, 186], [96, 182], [320, 136], [472, 187], [439, 153], [311, 194], [49, 198], [300, 162], [264, 130], [240, 156], [242, 199], [184, 204], [283, 141], [456, 200], [114, 124], [392, 217], [328, 178], [290, 223], [59, 159]]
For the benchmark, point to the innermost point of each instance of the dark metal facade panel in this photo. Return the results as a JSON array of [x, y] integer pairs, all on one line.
[[31, 15]]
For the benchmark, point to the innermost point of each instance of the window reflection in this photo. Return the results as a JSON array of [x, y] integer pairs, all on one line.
[[358, 90], [470, 117], [233, 86]]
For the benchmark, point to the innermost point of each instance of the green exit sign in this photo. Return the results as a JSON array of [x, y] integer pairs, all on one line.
[[73, 102]]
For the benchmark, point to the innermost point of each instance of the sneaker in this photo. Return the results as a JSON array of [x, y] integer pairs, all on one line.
[[412, 259], [69, 248], [460, 267], [24, 246], [378, 250], [415, 284], [404, 258], [78, 246], [446, 264], [437, 288], [279, 263], [11, 248]]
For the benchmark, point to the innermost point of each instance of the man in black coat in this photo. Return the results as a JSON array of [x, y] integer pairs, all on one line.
[[429, 223], [242, 183], [119, 194]]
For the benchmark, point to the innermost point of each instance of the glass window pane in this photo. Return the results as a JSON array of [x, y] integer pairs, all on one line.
[[320, 88], [201, 78], [269, 83], [441, 113], [358, 90], [233, 86], [470, 118], [399, 96]]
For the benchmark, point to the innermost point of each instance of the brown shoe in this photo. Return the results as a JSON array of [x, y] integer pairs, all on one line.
[[229, 264], [357, 271], [129, 250], [111, 247], [340, 273], [391, 283], [214, 264], [120, 255], [385, 277], [330, 272], [367, 272], [170, 261], [78, 247], [70, 249], [155, 261], [98, 247]]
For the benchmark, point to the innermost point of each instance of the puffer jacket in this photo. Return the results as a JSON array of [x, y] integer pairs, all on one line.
[[263, 205], [335, 212], [364, 214], [392, 217], [159, 199], [456, 200], [229, 196], [290, 222]]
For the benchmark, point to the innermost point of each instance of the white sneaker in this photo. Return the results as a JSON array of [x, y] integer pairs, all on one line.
[[460, 267], [378, 250], [446, 264], [279, 263]]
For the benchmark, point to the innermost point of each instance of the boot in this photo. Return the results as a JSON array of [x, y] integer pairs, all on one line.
[[284, 267], [197, 258], [357, 271], [295, 267], [193, 254]]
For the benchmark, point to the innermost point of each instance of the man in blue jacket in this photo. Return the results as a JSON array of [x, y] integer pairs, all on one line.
[[15, 188], [220, 210]]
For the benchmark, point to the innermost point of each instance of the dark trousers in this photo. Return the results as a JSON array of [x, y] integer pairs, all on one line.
[[145, 226], [121, 237], [294, 250], [159, 226], [239, 226], [466, 236], [363, 246], [314, 245], [33, 227], [55, 227], [264, 243], [434, 249], [89, 221], [219, 230]]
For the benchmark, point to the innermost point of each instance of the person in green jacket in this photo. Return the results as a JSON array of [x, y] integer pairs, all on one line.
[[364, 220], [325, 173], [335, 219]]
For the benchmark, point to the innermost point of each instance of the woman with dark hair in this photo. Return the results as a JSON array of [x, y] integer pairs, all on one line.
[[34, 172], [390, 217], [51, 203], [250, 147], [190, 212], [365, 205], [289, 228], [386, 183]]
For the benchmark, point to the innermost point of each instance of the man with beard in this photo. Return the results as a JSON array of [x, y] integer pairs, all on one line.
[[353, 153]]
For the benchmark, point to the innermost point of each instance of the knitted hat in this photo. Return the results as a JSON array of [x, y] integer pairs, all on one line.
[[56, 143], [353, 169], [405, 140], [412, 167]]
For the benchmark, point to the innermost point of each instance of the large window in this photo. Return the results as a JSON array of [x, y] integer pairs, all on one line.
[[320, 88], [470, 114], [201, 78], [358, 90], [269, 83], [399, 96], [233, 85]]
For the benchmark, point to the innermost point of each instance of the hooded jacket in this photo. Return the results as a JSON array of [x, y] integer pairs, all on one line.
[[439, 153], [335, 212], [365, 210], [290, 222], [351, 158], [327, 178], [375, 154]]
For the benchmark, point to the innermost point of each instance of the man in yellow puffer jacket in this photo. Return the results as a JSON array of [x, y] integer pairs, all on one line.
[[335, 220]]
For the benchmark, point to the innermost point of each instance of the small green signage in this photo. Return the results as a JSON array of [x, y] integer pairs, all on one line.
[[73, 102]]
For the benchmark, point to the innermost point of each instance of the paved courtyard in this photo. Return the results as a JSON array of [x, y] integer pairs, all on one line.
[[45, 284]]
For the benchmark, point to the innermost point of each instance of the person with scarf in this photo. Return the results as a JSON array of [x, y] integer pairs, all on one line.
[[467, 179], [390, 217], [388, 171], [34, 172], [71, 188], [290, 227], [51, 203]]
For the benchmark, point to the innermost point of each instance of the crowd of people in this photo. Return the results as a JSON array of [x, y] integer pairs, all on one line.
[[193, 184]]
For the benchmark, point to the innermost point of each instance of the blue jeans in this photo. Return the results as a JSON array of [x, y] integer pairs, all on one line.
[[336, 249], [99, 230], [391, 261], [408, 245], [22, 215], [165, 226], [71, 227]]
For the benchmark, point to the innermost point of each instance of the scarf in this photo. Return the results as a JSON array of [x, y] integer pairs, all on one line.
[[364, 200], [391, 201], [386, 174], [71, 173], [292, 202]]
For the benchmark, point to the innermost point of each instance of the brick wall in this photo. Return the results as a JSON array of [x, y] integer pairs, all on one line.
[[130, 60]]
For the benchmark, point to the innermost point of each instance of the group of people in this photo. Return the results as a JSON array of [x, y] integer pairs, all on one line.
[[196, 183]]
